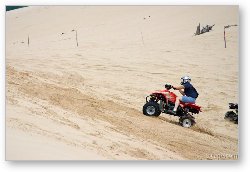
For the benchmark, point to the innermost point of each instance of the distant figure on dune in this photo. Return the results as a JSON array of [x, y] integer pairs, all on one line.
[[144, 18], [205, 29], [198, 30]]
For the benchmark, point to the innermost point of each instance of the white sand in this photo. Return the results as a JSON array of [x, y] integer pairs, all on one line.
[[69, 102]]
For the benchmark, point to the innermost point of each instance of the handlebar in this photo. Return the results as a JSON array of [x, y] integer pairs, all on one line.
[[168, 87]]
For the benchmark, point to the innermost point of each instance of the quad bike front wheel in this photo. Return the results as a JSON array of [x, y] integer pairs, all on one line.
[[151, 108]]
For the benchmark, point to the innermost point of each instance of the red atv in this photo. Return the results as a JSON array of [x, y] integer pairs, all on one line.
[[163, 102]]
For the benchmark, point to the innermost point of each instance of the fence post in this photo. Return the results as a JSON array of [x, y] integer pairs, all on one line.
[[225, 27], [76, 39], [76, 36], [142, 38], [225, 38], [28, 41]]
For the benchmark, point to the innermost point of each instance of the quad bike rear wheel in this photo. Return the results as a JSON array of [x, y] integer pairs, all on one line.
[[186, 121], [231, 116], [151, 108]]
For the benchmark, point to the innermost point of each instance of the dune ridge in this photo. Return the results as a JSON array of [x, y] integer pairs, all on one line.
[[85, 102]]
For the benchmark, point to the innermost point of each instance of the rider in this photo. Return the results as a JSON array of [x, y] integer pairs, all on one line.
[[187, 90]]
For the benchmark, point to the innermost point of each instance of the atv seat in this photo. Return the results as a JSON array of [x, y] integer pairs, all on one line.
[[192, 105]]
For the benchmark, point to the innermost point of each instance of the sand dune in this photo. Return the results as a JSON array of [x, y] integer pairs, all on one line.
[[69, 102]]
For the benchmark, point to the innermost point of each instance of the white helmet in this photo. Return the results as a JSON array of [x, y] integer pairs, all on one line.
[[185, 79]]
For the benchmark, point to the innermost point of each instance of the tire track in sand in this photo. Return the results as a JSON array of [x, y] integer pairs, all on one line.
[[191, 144]]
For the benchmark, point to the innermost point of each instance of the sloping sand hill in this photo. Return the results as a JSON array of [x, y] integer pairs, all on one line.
[[84, 102]]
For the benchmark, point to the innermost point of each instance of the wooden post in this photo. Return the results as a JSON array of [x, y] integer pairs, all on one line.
[[76, 36], [225, 27], [142, 38], [198, 30], [76, 39], [225, 38], [28, 41]]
